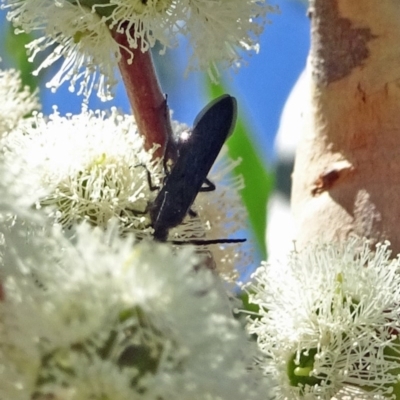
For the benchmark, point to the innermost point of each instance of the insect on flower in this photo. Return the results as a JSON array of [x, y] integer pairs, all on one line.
[[193, 160]]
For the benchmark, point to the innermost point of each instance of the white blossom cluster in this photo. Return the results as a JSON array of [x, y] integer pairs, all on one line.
[[96, 315], [92, 167], [220, 31], [101, 318], [217, 224], [16, 101], [329, 322], [90, 306]]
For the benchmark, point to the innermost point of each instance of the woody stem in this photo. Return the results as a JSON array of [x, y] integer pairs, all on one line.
[[148, 102]]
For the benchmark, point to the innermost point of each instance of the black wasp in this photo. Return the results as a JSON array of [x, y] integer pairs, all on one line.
[[192, 160]]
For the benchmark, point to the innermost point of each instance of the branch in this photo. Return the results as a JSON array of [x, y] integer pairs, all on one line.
[[149, 105]]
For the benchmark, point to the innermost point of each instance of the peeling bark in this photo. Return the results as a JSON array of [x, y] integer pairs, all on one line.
[[347, 170], [338, 45]]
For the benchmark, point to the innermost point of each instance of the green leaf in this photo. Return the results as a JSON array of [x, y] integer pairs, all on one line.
[[258, 181]]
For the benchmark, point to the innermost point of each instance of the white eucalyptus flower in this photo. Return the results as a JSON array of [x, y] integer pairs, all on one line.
[[93, 167], [220, 33], [16, 101], [74, 33], [100, 318], [222, 214], [329, 322]]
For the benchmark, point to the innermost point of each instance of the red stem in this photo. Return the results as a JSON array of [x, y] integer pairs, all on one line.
[[148, 102]]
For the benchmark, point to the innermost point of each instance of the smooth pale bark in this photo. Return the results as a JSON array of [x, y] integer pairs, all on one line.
[[347, 169]]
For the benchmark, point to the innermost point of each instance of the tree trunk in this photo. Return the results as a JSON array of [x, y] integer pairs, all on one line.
[[347, 170]]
